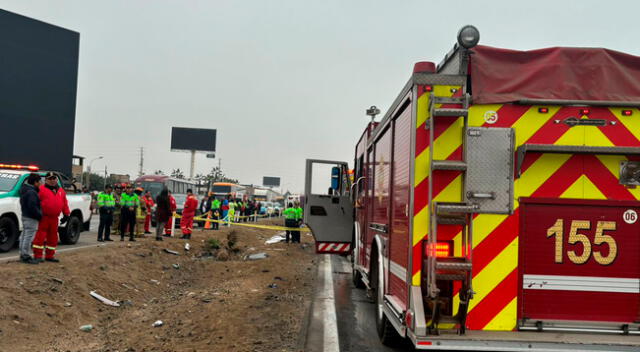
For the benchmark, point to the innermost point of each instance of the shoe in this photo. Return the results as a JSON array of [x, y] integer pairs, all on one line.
[[53, 260], [29, 260], [39, 260], [166, 235], [147, 232], [108, 240], [100, 240], [159, 239], [132, 240]]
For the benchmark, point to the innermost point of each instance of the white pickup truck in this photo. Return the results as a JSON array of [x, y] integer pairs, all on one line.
[[11, 179]]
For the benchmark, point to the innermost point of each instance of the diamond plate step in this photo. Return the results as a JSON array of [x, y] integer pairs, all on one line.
[[449, 100], [450, 112], [451, 220], [465, 266], [451, 277], [456, 208], [449, 165]]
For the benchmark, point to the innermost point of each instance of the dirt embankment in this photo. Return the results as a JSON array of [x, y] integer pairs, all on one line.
[[208, 299]]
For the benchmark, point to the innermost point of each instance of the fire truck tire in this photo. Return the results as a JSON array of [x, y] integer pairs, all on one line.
[[356, 275], [8, 233], [387, 333]]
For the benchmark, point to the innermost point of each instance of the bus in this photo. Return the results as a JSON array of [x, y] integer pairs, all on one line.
[[223, 189], [155, 184]]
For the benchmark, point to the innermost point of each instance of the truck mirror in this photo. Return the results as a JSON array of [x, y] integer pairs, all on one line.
[[335, 178]]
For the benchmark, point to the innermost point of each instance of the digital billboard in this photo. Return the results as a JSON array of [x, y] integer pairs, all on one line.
[[198, 139], [271, 181], [38, 81]]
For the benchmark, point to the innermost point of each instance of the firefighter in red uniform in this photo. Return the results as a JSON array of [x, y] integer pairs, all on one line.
[[188, 212], [168, 227], [53, 200], [148, 199]]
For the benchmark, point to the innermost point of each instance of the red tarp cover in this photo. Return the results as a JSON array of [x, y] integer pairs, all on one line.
[[501, 75]]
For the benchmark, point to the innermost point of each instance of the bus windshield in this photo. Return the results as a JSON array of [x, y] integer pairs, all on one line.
[[8, 181], [154, 187], [221, 189]]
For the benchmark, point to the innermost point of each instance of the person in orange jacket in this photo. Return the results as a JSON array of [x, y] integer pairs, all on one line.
[[188, 213], [168, 227], [148, 199], [53, 201]]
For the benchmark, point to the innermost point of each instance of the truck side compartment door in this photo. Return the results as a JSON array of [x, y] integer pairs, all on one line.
[[330, 215]]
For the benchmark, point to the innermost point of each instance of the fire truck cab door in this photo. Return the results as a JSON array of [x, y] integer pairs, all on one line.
[[329, 215]]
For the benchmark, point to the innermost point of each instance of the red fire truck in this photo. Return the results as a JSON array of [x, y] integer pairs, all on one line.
[[495, 205]]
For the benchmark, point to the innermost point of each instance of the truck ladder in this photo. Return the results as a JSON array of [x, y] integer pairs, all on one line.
[[450, 268]]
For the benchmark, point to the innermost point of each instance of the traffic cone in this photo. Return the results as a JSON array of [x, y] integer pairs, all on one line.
[[207, 224]]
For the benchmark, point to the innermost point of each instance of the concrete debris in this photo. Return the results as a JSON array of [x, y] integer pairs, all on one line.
[[176, 266], [171, 252], [103, 299], [155, 282], [86, 328], [55, 279], [67, 304], [158, 323], [257, 256]]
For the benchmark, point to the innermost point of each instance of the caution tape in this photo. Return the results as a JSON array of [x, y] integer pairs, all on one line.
[[266, 227]]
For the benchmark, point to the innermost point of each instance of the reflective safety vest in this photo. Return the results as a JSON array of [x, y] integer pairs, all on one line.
[[215, 204], [290, 214], [298, 211], [129, 200], [106, 200]]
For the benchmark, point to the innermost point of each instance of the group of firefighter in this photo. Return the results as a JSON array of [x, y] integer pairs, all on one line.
[[126, 209], [129, 210]]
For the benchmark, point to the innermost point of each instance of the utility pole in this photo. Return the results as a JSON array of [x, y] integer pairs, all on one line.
[[141, 172]]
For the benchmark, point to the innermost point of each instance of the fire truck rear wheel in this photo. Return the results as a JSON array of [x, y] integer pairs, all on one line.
[[387, 333]]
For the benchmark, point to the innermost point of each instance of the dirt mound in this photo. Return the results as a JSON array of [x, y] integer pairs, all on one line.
[[209, 298]]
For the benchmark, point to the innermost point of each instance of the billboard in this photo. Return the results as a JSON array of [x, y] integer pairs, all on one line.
[[38, 81], [271, 181], [198, 139]]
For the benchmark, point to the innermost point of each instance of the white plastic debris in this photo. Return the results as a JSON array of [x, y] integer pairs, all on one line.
[[157, 323], [104, 300], [257, 256], [171, 252], [187, 247], [86, 328], [275, 239]]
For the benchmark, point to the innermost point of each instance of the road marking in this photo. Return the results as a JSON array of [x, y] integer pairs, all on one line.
[[75, 247], [330, 325]]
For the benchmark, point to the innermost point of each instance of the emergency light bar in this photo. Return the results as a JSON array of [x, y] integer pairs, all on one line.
[[19, 167]]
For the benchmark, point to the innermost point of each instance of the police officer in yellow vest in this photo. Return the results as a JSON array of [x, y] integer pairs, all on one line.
[[141, 212], [106, 205], [129, 202]]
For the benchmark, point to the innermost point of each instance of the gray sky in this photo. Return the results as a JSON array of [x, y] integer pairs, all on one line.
[[281, 81]]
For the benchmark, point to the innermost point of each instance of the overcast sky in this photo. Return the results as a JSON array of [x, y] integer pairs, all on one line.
[[281, 81]]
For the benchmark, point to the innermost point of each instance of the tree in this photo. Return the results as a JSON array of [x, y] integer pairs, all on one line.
[[158, 172], [96, 182], [177, 173]]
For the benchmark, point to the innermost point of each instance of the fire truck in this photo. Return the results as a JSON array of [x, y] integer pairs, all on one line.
[[495, 205]]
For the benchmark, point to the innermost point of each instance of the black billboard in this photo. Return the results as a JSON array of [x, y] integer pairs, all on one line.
[[271, 181], [38, 81], [199, 139]]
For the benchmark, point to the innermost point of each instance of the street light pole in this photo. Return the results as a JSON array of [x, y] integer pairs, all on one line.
[[89, 169]]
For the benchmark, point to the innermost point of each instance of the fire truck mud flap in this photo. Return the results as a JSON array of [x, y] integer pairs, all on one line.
[[329, 215]]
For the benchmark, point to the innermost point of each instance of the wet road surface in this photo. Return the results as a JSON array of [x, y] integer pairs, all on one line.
[[353, 311]]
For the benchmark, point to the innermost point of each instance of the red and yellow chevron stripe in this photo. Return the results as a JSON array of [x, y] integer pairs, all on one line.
[[544, 175]]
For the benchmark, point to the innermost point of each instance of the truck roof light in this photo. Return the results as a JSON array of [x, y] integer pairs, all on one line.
[[428, 88], [19, 167], [468, 36], [627, 112], [584, 111], [543, 110]]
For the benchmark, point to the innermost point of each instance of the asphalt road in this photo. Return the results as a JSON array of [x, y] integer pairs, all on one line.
[[342, 316], [87, 239]]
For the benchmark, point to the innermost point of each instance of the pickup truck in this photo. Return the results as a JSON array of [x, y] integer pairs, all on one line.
[[11, 179]]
